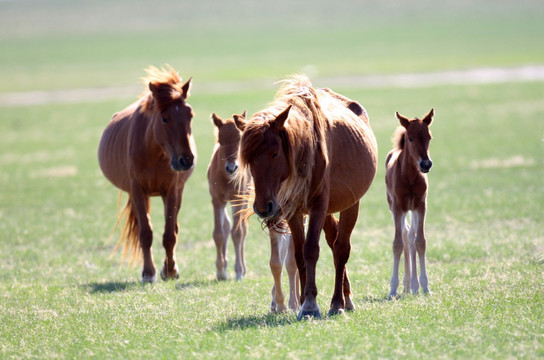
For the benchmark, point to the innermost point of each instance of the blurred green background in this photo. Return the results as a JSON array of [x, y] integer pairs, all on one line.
[[67, 66]]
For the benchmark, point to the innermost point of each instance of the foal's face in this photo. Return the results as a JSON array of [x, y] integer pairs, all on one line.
[[229, 138], [173, 132], [417, 139]]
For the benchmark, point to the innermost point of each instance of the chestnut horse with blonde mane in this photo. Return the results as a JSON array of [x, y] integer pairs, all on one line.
[[311, 152], [147, 150], [406, 168], [223, 190]]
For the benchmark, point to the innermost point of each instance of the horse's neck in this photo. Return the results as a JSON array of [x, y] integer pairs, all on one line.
[[142, 132]]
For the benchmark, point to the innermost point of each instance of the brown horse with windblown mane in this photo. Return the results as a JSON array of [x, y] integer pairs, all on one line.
[[311, 152], [223, 190], [147, 150], [406, 180]]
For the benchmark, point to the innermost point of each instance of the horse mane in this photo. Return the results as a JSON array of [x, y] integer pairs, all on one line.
[[303, 139], [169, 89], [398, 138]]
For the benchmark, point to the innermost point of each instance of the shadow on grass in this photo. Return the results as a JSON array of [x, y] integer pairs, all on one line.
[[258, 321], [195, 284], [112, 286]]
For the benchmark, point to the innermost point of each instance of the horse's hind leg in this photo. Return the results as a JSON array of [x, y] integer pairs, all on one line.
[[221, 231], [341, 252], [277, 256], [239, 233], [172, 203]]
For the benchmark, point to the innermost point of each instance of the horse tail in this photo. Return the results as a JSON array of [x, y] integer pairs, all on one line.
[[129, 232]]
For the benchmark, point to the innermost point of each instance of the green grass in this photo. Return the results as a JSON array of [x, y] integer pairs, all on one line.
[[62, 293]]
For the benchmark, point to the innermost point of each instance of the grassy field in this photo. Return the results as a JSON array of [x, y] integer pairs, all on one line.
[[62, 294]]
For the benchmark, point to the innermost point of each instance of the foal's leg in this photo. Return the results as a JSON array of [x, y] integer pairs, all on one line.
[[277, 256], [398, 246], [421, 246], [341, 252], [412, 238], [221, 231], [172, 204], [407, 258], [239, 233], [292, 273], [140, 207]]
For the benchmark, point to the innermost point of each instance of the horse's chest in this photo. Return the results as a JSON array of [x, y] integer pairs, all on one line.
[[410, 195]]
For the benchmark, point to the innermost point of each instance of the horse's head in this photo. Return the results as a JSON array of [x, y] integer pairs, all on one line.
[[228, 136], [172, 123], [417, 138], [264, 149]]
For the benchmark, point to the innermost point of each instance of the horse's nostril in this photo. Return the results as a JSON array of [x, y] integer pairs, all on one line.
[[269, 207]]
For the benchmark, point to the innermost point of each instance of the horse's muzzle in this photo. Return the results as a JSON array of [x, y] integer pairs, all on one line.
[[270, 210], [182, 163], [425, 165]]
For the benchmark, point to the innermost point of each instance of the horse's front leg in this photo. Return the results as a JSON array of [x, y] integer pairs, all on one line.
[[311, 255], [239, 234], [220, 235], [276, 266], [140, 207], [296, 226], [421, 247], [398, 247], [341, 252], [172, 204]]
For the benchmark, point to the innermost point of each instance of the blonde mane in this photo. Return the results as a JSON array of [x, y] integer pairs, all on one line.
[[398, 138], [169, 88], [303, 137]]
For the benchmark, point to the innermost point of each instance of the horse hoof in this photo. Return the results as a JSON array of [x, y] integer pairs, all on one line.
[[334, 312], [239, 277], [349, 305], [221, 275], [148, 279], [170, 275], [309, 315]]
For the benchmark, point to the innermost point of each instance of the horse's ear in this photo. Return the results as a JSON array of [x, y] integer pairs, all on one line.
[[217, 121], [153, 89], [279, 122], [428, 119], [240, 121], [186, 88], [404, 121]]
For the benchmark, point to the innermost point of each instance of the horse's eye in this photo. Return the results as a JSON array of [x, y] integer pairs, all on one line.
[[410, 139], [275, 155], [164, 120]]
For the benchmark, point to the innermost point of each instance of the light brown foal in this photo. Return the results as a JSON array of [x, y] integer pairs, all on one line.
[[406, 168]]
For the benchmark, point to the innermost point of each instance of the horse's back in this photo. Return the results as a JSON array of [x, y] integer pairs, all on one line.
[[113, 148], [353, 150]]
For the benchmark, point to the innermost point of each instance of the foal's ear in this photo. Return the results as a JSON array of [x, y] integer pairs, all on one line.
[[404, 121], [217, 121], [240, 121], [279, 122], [186, 88], [428, 119]]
